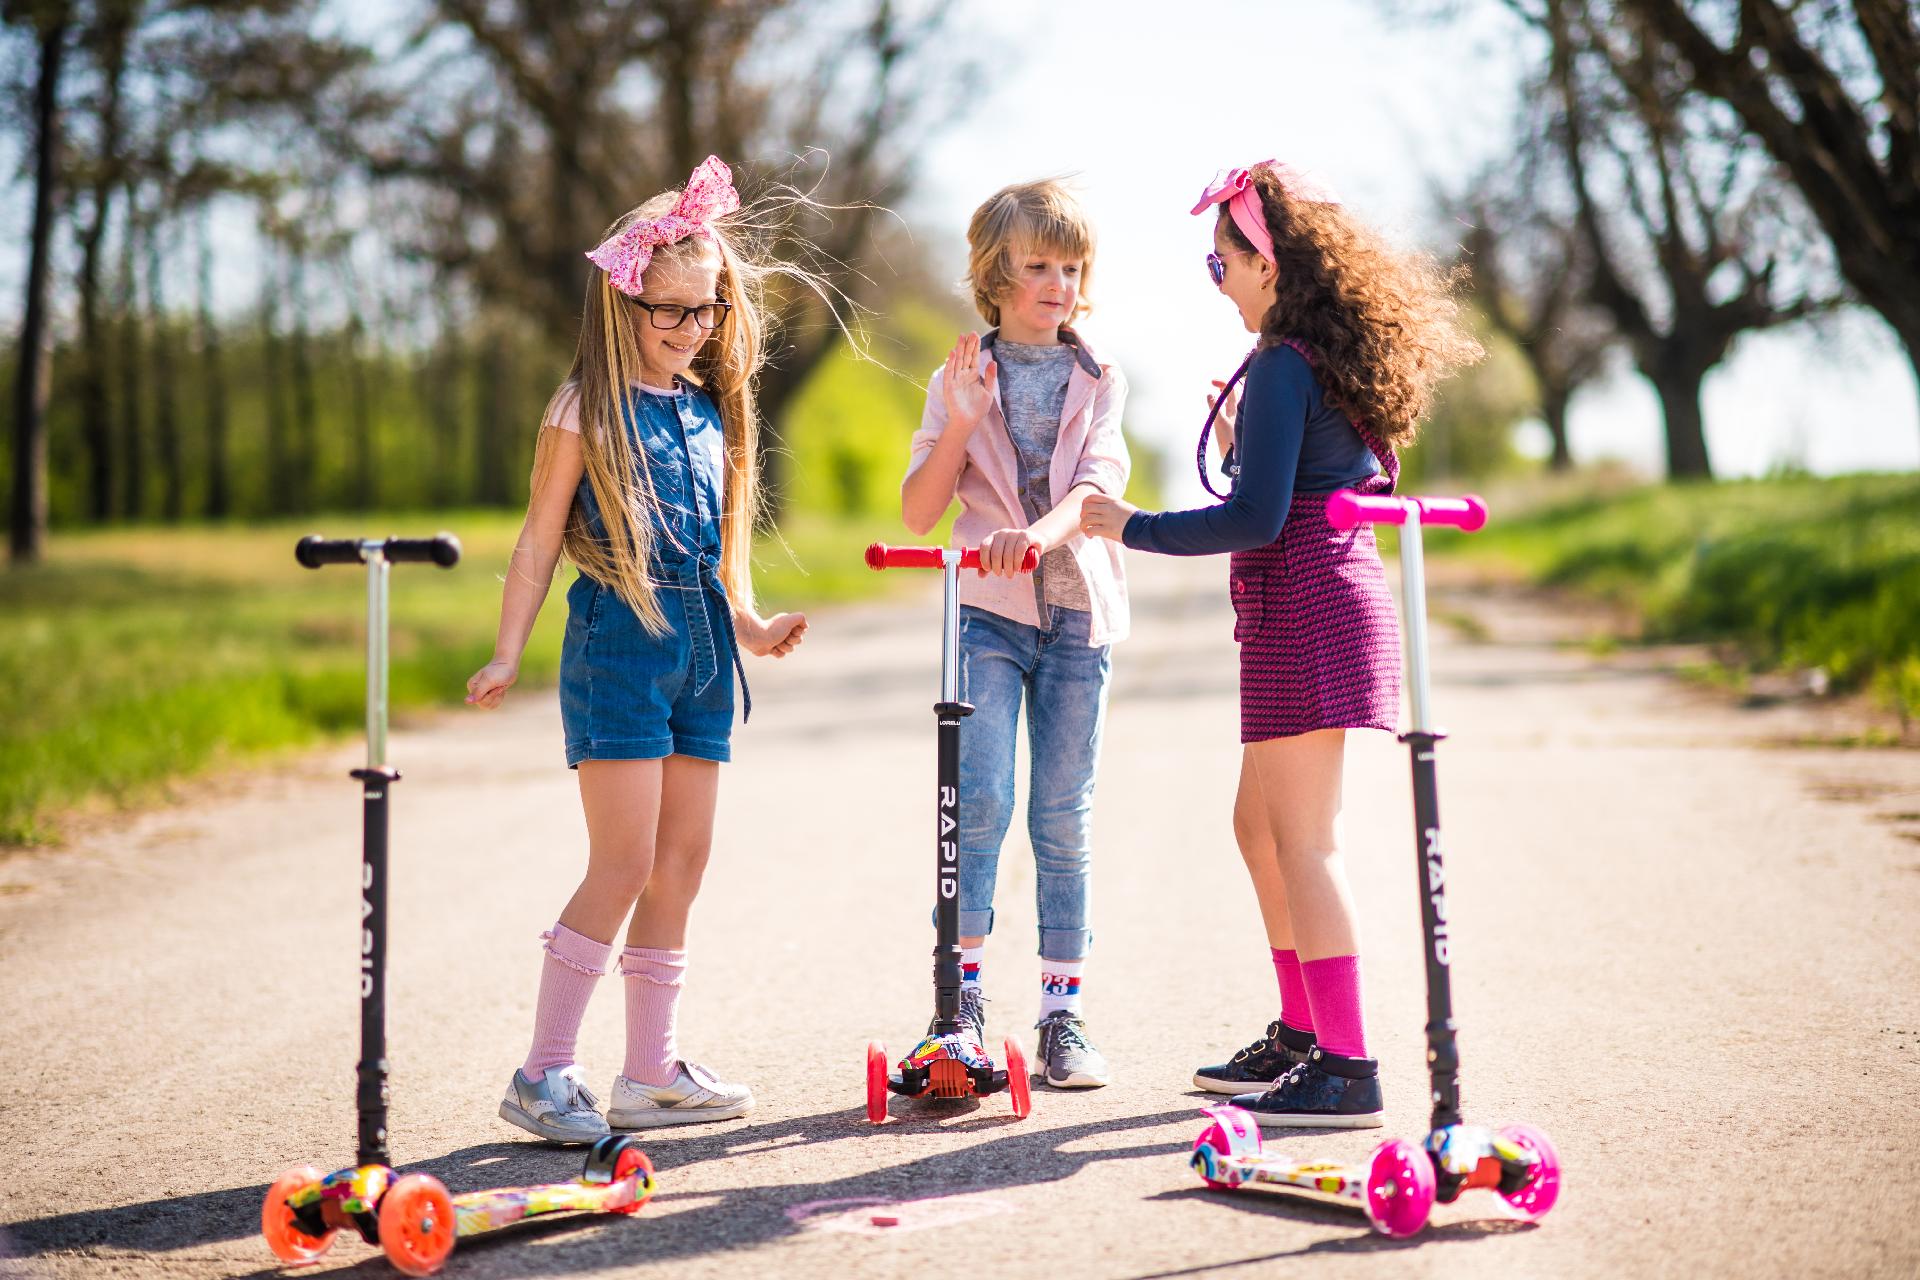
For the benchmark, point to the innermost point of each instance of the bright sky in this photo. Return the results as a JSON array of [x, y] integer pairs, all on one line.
[[1144, 101]]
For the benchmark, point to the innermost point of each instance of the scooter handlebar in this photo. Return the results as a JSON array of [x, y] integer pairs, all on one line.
[[882, 556], [1345, 509], [442, 549]]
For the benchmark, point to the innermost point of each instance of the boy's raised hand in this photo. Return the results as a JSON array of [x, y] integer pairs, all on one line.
[[966, 390]]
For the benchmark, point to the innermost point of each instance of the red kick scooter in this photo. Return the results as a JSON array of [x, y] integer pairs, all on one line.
[[411, 1218], [947, 1063], [1399, 1184]]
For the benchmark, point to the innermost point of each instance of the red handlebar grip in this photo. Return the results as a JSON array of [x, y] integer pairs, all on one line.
[[882, 556], [1345, 509]]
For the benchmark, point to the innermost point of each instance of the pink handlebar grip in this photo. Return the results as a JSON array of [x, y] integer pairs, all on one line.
[[1345, 509], [882, 556]]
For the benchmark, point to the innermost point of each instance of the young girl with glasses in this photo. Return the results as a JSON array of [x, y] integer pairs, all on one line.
[[1353, 339], [1022, 425], [646, 478]]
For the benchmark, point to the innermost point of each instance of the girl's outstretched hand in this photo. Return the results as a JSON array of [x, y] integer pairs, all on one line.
[[965, 388], [489, 685], [777, 636], [1105, 517]]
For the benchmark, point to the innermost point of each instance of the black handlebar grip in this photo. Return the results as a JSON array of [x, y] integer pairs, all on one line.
[[314, 551], [442, 549]]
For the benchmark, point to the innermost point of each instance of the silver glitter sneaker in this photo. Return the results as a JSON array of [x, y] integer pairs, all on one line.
[[1067, 1059], [557, 1107], [695, 1096]]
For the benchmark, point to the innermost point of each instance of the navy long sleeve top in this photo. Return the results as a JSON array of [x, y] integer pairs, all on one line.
[[1286, 438]]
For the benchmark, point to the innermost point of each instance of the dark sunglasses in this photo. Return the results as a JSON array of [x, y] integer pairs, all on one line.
[[1217, 268], [671, 315]]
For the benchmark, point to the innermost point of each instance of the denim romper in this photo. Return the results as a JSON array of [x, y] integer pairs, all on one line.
[[626, 694]]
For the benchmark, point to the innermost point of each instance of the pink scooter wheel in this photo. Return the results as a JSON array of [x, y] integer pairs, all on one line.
[[1232, 1133], [1400, 1188], [1542, 1190], [876, 1081]]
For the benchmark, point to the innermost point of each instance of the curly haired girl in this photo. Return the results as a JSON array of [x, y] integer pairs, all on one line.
[[1353, 338]]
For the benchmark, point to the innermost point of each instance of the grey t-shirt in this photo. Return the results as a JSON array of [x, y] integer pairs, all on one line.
[[1033, 390]]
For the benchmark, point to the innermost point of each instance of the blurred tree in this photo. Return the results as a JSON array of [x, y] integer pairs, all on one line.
[[1689, 234], [1831, 88], [49, 22], [528, 126]]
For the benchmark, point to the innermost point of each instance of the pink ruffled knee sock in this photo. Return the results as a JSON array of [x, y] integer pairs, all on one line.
[[654, 978], [574, 962]]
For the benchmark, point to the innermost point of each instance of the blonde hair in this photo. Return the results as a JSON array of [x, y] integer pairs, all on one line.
[[607, 362], [1022, 217]]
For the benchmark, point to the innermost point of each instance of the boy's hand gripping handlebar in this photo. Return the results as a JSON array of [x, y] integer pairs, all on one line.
[[882, 556], [1345, 509]]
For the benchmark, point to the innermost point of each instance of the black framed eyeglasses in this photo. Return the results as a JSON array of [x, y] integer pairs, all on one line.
[[671, 315]]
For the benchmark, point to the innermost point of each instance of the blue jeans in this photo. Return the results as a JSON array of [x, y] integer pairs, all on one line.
[[1064, 682]]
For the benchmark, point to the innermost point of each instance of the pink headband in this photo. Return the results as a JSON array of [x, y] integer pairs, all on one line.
[[709, 194], [1233, 186]]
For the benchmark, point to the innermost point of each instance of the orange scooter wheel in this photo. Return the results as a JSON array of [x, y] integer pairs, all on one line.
[[417, 1225], [282, 1228]]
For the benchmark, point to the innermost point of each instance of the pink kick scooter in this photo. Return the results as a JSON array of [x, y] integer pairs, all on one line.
[[1397, 1187]]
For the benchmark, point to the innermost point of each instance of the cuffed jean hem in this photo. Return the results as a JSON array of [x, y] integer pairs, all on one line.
[[1064, 944]]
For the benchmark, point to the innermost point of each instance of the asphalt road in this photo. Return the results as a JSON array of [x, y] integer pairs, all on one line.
[[1685, 947]]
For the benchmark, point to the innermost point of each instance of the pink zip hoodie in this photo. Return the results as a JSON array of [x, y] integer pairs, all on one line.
[[1090, 450]]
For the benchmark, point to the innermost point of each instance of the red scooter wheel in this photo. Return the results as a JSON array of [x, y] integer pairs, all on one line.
[[279, 1225], [1019, 1083], [633, 1163], [876, 1081]]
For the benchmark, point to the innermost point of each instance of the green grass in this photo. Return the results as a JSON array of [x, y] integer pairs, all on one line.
[[1797, 572], [133, 656]]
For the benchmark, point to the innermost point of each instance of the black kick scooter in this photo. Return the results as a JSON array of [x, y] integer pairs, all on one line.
[[411, 1218], [1400, 1183], [948, 1063]]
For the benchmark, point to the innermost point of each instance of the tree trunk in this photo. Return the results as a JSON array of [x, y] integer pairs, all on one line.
[[278, 499], [1679, 391], [133, 430], [303, 474], [364, 496], [27, 520], [213, 376], [166, 421], [779, 382], [493, 410], [1553, 410]]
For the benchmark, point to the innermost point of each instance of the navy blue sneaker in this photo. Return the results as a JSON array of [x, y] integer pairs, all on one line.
[[1327, 1091], [1259, 1064]]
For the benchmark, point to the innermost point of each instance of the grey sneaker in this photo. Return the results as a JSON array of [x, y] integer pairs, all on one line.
[[1067, 1059], [557, 1107], [973, 1014], [695, 1096]]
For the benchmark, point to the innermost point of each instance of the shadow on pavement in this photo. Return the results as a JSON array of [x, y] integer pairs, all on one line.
[[723, 1219]]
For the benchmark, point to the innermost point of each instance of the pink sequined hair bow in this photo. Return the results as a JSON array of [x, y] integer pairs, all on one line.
[[1235, 188], [709, 194]]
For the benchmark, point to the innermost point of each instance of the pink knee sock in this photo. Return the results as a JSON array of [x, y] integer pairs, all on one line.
[[574, 963], [1294, 1010], [1333, 995], [654, 976]]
